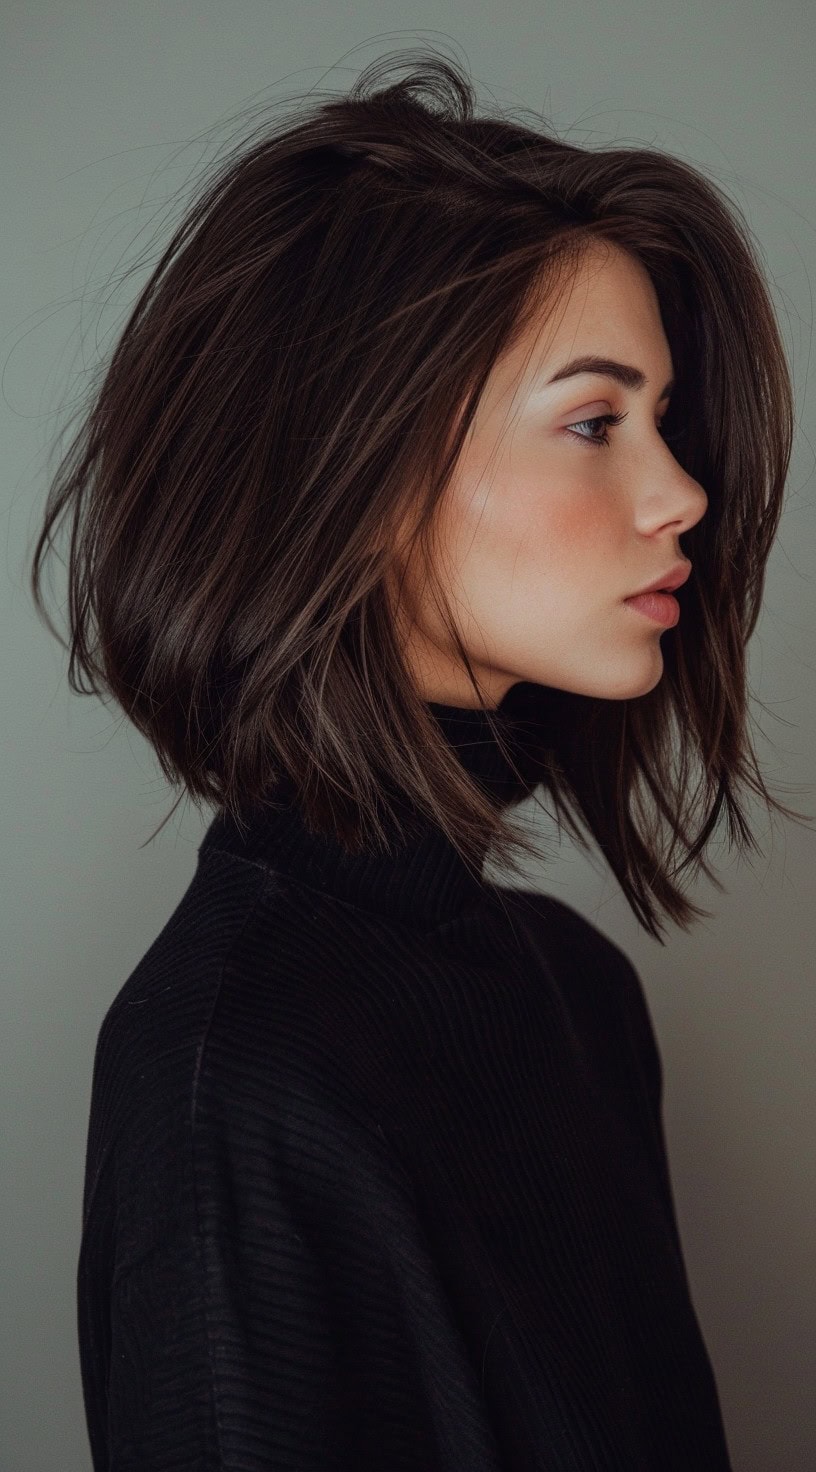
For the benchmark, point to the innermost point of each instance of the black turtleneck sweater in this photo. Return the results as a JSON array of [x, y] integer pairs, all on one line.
[[376, 1179]]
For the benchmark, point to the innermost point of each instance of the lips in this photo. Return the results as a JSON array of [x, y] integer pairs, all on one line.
[[667, 583], [662, 608]]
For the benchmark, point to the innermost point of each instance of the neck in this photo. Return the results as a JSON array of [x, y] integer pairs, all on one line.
[[421, 880]]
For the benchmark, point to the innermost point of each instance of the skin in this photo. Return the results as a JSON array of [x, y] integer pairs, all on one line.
[[543, 533]]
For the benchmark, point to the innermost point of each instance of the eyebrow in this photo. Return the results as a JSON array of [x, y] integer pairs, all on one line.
[[623, 373]]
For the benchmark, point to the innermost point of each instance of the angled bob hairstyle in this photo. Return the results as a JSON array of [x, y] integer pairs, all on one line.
[[299, 373]]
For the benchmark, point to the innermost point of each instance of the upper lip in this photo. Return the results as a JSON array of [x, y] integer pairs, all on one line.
[[669, 580]]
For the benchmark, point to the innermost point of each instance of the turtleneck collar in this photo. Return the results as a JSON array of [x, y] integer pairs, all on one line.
[[423, 879]]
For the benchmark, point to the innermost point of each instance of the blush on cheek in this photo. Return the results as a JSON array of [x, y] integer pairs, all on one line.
[[559, 519]]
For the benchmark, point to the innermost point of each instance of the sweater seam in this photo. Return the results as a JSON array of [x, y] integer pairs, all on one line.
[[373, 1129], [199, 1235]]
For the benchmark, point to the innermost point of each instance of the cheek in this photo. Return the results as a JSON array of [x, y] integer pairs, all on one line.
[[565, 534], [540, 524]]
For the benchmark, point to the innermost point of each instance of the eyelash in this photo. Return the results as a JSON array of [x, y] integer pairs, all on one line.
[[595, 419], [598, 440]]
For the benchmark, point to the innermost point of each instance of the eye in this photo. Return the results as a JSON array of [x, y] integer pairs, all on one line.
[[671, 438], [594, 439]]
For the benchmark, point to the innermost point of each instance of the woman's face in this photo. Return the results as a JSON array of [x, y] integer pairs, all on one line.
[[544, 532]]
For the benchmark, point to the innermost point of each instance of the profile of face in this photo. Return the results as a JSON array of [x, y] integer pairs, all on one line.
[[554, 518]]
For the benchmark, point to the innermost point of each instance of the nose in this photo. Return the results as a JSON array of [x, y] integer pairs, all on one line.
[[670, 497]]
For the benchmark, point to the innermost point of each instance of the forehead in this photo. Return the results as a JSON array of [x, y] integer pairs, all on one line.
[[606, 304]]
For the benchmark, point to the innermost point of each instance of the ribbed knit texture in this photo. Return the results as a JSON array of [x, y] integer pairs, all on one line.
[[376, 1178]]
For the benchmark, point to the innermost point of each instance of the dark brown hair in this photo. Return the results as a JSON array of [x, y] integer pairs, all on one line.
[[301, 368]]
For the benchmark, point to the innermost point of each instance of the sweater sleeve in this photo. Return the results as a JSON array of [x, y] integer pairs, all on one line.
[[285, 1312]]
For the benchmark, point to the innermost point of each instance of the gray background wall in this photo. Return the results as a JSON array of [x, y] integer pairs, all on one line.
[[103, 108]]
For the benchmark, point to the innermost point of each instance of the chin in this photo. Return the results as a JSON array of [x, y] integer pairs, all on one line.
[[648, 681], [630, 683]]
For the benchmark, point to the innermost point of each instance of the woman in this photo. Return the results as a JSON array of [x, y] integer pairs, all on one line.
[[413, 409]]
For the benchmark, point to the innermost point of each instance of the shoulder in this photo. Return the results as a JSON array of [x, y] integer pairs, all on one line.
[[155, 1022], [251, 987], [222, 1059]]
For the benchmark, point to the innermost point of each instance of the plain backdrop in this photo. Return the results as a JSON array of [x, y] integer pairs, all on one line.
[[108, 110]]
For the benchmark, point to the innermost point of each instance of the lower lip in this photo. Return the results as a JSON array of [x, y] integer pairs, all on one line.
[[661, 608]]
